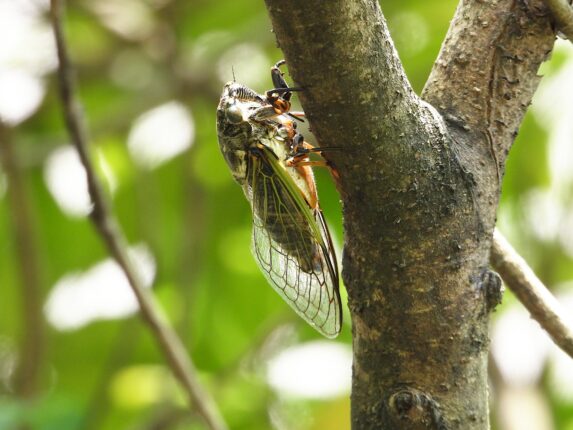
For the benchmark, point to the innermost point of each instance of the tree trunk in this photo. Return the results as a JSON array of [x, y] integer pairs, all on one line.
[[419, 181]]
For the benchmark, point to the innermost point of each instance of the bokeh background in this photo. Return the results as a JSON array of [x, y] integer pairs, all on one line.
[[73, 352]]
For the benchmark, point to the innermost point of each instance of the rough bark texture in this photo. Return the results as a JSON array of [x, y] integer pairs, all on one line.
[[419, 192]]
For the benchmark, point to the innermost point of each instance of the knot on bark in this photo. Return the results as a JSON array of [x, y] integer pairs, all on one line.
[[490, 285], [413, 409]]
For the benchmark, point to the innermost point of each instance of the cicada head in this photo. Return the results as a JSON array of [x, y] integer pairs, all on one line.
[[231, 109], [235, 127], [235, 109], [238, 101]]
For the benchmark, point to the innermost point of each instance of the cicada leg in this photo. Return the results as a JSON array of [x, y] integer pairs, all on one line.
[[300, 151], [264, 113], [299, 116], [299, 157], [277, 77], [279, 97]]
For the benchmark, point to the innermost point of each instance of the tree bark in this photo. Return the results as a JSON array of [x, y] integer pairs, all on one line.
[[419, 187]]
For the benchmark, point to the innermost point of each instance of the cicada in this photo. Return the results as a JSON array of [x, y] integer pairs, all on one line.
[[270, 160]]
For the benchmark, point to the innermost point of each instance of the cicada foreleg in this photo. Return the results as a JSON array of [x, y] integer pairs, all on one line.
[[278, 80], [279, 97]]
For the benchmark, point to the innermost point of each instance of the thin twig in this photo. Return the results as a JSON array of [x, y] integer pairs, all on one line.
[[107, 226], [562, 12], [32, 348], [530, 291]]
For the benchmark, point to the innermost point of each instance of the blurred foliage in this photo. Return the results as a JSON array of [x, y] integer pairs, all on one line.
[[133, 56]]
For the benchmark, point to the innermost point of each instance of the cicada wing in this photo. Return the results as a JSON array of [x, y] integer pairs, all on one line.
[[292, 246]]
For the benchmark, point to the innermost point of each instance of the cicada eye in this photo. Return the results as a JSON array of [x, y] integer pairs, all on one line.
[[234, 114]]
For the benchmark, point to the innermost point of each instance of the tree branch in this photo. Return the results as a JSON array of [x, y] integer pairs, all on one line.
[[412, 218], [32, 349], [486, 72], [483, 96], [111, 234], [530, 291], [562, 12], [419, 191]]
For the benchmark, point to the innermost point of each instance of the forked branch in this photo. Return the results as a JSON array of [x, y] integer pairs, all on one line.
[[419, 190]]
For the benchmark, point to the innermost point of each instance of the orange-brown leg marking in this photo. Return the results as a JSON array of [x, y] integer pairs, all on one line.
[[306, 173], [313, 163], [303, 161]]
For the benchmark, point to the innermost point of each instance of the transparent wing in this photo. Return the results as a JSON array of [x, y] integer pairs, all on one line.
[[292, 245]]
